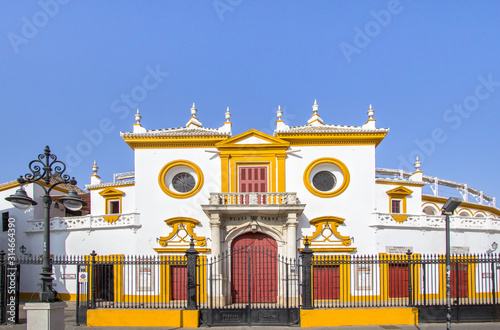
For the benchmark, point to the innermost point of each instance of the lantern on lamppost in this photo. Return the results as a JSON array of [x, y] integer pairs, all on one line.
[[47, 172]]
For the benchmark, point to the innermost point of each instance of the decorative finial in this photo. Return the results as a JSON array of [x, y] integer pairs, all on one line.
[[370, 112], [279, 113], [315, 107], [193, 111], [95, 168], [138, 117], [417, 164], [228, 115]]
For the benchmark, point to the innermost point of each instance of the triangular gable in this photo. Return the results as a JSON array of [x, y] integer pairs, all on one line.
[[111, 192], [252, 138], [399, 191]]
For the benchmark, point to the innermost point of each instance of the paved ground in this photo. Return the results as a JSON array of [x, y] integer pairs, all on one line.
[[70, 321]]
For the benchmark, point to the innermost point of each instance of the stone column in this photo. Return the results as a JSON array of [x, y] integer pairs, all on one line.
[[292, 235], [215, 233]]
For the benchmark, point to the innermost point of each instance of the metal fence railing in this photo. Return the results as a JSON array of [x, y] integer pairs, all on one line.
[[403, 280]]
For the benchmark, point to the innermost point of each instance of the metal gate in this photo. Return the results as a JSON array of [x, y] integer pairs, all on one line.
[[250, 286]]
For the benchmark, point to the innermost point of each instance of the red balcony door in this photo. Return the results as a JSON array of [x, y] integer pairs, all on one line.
[[254, 270], [252, 179]]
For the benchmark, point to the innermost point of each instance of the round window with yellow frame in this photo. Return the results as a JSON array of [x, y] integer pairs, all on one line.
[[180, 179], [326, 177]]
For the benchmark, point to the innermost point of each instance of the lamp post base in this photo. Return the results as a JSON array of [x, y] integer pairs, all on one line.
[[45, 316]]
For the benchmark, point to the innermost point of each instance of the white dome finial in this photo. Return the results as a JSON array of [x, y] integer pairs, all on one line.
[[279, 113], [95, 168], [315, 107], [193, 111], [370, 112], [228, 115], [138, 117], [417, 164]]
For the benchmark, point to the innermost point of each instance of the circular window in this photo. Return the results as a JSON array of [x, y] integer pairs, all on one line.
[[324, 180], [183, 182], [180, 179], [326, 177]]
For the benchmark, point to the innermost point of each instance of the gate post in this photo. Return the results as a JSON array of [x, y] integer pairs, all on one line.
[[93, 290], [306, 255], [410, 287], [2, 287], [192, 257]]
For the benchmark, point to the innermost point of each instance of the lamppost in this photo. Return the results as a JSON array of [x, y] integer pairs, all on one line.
[[448, 208], [47, 172]]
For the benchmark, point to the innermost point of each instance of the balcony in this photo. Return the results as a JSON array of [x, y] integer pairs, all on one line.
[[86, 222], [433, 222], [253, 203]]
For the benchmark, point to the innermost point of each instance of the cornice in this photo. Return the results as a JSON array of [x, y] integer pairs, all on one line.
[[124, 183]]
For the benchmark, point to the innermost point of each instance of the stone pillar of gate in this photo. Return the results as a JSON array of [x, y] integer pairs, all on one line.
[[215, 233], [291, 224], [291, 254], [217, 278]]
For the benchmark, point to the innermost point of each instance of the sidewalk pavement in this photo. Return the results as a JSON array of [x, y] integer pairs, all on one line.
[[70, 324]]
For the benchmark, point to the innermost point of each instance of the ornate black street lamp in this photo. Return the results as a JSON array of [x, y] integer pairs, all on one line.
[[47, 172], [448, 208]]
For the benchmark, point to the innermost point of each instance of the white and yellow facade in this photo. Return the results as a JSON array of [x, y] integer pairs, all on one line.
[[317, 181]]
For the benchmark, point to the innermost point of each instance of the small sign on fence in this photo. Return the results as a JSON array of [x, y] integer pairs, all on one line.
[[83, 277], [68, 276]]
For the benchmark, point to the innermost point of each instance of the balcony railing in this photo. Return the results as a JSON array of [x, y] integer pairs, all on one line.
[[437, 221], [253, 198], [86, 222]]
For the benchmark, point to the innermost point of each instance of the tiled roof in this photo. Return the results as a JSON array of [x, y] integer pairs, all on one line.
[[330, 129], [178, 131]]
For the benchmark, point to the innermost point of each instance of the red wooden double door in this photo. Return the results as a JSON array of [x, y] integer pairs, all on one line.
[[254, 272]]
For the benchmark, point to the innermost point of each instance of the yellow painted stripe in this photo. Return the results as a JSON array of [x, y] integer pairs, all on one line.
[[358, 316], [142, 318]]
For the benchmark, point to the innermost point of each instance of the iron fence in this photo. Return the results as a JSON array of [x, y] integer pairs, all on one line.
[[403, 280]]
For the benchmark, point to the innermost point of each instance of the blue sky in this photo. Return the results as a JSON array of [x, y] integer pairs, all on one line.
[[430, 69]]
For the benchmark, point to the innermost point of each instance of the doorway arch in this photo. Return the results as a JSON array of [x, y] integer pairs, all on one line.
[[254, 272]]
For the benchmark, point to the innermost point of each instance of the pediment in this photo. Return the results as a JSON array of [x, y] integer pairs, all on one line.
[[399, 191], [111, 192], [253, 138]]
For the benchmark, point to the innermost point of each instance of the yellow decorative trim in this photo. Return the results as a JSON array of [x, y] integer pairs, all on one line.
[[180, 244], [333, 249], [471, 214], [111, 194], [138, 142], [111, 218], [399, 193], [166, 168], [402, 183], [399, 217], [326, 237], [318, 139], [117, 186], [340, 190], [442, 200], [271, 154], [10, 186], [180, 250]]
